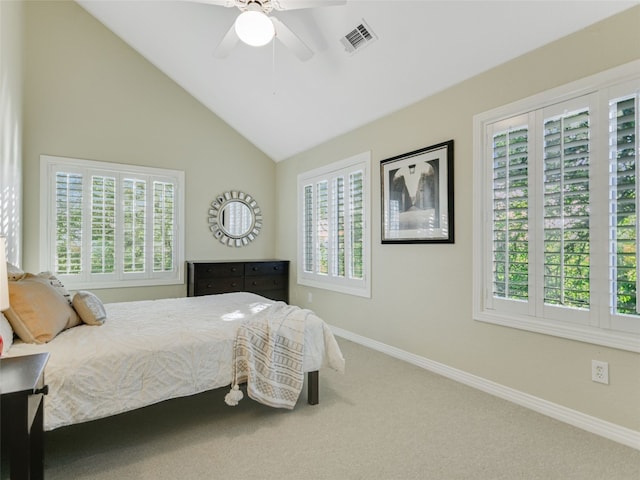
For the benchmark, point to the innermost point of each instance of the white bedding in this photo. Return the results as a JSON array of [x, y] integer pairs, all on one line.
[[150, 351]]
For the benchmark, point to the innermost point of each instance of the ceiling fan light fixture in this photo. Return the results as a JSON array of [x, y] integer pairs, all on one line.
[[254, 28]]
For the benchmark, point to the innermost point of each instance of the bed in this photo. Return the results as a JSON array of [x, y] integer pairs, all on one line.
[[150, 351]]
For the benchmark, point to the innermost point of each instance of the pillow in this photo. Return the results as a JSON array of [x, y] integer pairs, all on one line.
[[14, 273], [57, 284], [7, 334], [38, 311], [89, 307]]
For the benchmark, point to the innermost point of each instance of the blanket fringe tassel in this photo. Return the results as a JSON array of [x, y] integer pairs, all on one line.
[[234, 396]]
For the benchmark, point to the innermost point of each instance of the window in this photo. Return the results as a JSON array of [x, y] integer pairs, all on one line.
[[333, 243], [111, 225], [556, 202]]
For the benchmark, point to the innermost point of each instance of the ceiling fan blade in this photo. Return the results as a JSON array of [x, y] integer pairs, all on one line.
[[291, 40], [219, 3], [228, 42], [298, 4]]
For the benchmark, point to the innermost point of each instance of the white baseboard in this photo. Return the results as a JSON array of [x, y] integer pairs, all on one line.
[[617, 433]]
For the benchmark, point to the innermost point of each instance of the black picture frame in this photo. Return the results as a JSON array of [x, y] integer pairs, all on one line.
[[417, 196]]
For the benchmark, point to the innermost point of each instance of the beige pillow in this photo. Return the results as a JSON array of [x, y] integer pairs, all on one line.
[[89, 307], [38, 311]]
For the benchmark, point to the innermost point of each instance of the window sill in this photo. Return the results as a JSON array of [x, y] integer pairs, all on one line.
[[80, 285], [363, 291], [581, 333]]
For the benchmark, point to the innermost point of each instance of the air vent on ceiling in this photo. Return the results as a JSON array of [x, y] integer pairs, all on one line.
[[358, 38]]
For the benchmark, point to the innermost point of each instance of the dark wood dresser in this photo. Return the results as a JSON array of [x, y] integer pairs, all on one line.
[[269, 278]]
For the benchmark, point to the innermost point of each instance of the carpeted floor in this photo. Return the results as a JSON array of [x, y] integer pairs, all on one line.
[[383, 419]]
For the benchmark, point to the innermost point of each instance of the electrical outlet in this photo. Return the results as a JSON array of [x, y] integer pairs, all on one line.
[[309, 297], [600, 371]]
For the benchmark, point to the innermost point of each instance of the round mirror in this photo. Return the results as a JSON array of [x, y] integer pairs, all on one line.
[[235, 218]]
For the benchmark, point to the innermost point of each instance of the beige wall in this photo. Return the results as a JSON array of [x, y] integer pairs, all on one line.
[[422, 294], [88, 95]]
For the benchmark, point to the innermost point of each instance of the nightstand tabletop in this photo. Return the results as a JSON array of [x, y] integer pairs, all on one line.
[[21, 374]]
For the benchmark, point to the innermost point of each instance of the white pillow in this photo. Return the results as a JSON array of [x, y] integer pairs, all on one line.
[[7, 334], [14, 273], [89, 307]]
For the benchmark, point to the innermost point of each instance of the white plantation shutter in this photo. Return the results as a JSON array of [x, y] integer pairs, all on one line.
[[623, 136], [69, 217], [322, 228], [333, 241], [110, 225], [566, 210], [559, 237], [624, 132], [557, 195], [357, 225], [339, 226], [308, 235], [510, 238], [103, 224], [163, 226], [134, 210]]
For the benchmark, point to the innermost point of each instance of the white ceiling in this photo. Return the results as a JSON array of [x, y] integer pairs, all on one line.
[[285, 106]]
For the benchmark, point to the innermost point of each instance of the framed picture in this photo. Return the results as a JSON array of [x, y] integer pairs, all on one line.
[[417, 196]]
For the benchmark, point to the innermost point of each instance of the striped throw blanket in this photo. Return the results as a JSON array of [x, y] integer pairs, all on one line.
[[269, 356]]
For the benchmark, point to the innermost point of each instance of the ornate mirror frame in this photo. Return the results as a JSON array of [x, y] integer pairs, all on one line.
[[235, 232]]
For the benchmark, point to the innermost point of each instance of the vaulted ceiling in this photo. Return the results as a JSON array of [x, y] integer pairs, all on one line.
[[285, 106]]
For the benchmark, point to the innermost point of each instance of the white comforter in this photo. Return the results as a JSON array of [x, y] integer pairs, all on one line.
[[150, 351]]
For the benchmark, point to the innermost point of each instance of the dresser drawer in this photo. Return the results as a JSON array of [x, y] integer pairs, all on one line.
[[204, 271], [267, 282], [266, 268], [210, 286]]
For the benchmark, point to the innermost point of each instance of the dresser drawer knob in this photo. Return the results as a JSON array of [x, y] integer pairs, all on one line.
[[44, 390], [254, 283], [234, 284]]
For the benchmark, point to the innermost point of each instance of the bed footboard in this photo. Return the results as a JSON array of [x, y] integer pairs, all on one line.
[[313, 388]]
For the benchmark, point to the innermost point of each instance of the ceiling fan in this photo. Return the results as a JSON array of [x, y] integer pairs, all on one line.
[[255, 27]]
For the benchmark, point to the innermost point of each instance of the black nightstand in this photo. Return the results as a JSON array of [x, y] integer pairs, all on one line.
[[21, 390]]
